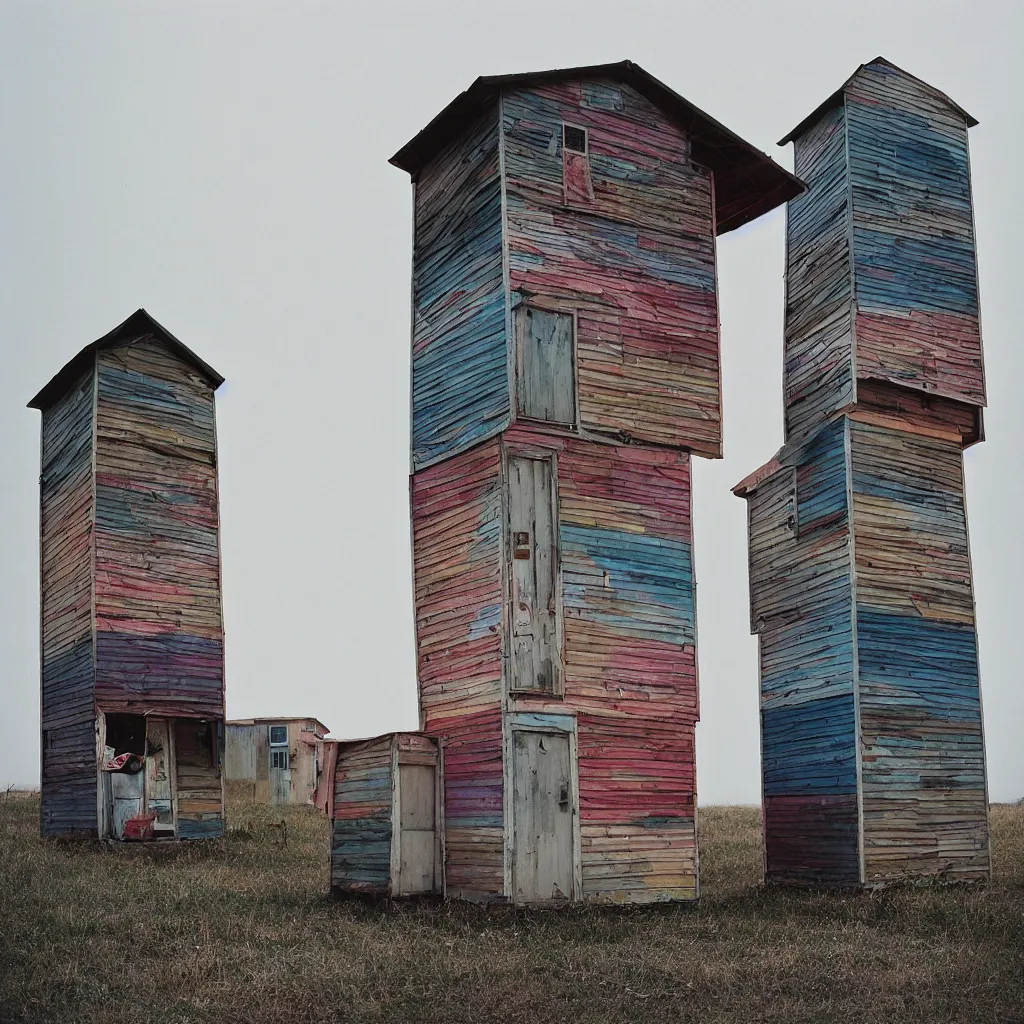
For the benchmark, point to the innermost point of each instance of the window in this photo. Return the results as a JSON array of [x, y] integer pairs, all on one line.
[[577, 187], [574, 139], [279, 759], [278, 735]]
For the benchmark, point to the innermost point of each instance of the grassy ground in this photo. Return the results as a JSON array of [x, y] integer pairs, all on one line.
[[243, 931]]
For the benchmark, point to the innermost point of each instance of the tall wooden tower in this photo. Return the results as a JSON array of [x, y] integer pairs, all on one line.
[[860, 572], [132, 641], [565, 368]]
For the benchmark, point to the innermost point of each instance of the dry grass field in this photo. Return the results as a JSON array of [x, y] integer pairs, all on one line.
[[243, 931]]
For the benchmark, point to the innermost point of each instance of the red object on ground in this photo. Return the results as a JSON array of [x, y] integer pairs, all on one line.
[[140, 827]]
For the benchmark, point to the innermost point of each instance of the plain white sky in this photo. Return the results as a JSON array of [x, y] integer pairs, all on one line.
[[224, 165]]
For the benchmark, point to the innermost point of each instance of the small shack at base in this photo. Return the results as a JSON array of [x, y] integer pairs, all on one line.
[[274, 760], [385, 814]]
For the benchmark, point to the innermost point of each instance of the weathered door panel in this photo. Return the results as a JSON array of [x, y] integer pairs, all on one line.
[[533, 575], [542, 841], [126, 794], [159, 797], [280, 775], [545, 378], [417, 799]]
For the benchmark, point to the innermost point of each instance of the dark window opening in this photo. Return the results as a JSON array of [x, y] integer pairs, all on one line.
[[574, 139], [279, 759], [278, 735], [126, 734]]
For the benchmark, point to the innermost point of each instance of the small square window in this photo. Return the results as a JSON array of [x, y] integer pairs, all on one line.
[[574, 139], [278, 734]]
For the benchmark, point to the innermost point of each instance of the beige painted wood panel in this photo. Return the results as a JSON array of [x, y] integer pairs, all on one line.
[[542, 862], [417, 837], [159, 798], [534, 569]]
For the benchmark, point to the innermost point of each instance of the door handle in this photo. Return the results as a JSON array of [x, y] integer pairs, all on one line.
[[563, 797]]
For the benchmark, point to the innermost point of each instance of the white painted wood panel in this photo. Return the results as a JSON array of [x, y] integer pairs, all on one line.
[[542, 859], [534, 575]]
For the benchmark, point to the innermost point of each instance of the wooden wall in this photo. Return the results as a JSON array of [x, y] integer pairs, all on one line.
[[66, 518], [198, 757], [630, 659], [361, 826], [920, 705], [818, 366], [159, 636], [889, 175], [630, 663], [633, 254], [460, 356], [457, 553], [913, 236], [801, 594]]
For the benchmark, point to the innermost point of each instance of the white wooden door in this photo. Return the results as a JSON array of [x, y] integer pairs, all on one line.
[[417, 829], [545, 378], [542, 839], [126, 794], [533, 574], [280, 775]]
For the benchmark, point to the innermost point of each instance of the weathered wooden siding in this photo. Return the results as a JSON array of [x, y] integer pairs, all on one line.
[[915, 269], [159, 640], [198, 753], [66, 516], [457, 553], [818, 359], [920, 704], [630, 662], [460, 392], [633, 256], [361, 828], [801, 608]]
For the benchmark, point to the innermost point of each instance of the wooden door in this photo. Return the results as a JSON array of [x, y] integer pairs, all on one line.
[[533, 574], [545, 377], [159, 798], [126, 794], [417, 836], [542, 840]]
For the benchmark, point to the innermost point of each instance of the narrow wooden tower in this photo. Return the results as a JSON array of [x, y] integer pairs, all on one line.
[[565, 368], [132, 642], [860, 573]]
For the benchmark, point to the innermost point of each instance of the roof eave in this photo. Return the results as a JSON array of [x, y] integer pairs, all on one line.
[[837, 97], [56, 387]]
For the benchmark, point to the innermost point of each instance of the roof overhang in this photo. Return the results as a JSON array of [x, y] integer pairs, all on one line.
[[837, 98], [748, 183], [139, 323]]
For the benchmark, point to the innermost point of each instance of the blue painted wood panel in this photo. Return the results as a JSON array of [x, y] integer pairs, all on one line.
[[919, 688], [801, 608], [68, 716], [460, 391], [361, 829]]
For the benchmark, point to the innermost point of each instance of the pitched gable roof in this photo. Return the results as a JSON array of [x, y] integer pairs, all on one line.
[[748, 183], [139, 323], [837, 97]]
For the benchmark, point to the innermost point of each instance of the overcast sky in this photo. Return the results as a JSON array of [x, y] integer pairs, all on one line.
[[224, 165]]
